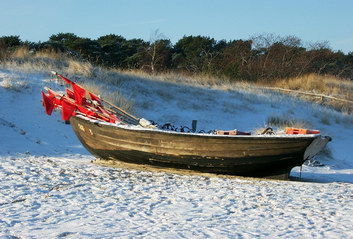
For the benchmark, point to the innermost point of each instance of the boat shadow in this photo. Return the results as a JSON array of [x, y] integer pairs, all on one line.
[[305, 177]]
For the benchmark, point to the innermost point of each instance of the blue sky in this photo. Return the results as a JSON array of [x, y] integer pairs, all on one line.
[[310, 20]]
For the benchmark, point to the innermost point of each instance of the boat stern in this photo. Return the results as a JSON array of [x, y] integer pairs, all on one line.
[[316, 146]]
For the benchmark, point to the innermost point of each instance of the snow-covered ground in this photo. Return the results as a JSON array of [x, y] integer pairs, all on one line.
[[49, 188]]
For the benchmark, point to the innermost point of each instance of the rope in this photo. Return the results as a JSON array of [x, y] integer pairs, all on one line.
[[183, 129]]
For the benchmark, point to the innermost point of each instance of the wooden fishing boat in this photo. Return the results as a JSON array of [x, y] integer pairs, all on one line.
[[110, 133], [243, 155]]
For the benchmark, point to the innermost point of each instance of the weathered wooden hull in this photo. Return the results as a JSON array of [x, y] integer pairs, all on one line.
[[257, 156]]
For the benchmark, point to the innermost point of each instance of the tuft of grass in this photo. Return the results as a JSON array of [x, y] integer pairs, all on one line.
[[279, 123], [94, 88], [111, 77], [80, 68], [126, 103], [286, 121]]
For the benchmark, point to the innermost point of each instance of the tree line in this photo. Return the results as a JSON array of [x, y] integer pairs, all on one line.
[[262, 57]]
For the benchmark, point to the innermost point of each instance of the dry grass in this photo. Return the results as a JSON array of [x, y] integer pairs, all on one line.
[[94, 88], [111, 76], [25, 53], [21, 52], [285, 121], [324, 85], [80, 68], [280, 123], [126, 103], [35, 65], [42, 61], [49, 53], [204, 80], [115, 97], [47, 60]]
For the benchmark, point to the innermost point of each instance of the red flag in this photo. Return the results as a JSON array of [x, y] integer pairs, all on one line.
[[48, 104], [68, 110], [52, 96], [70, 94], [79, 93], [94, 97], [65, 79], [52, 93], [112, 118], [86, 111]]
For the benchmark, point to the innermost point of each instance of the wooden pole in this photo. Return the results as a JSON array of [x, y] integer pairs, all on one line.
[[121, 110], [311, 94]]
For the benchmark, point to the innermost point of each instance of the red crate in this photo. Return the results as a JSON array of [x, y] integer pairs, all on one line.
[[301, 131], [231, 132]]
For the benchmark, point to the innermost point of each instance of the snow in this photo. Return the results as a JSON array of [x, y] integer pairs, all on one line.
[[50, 189]]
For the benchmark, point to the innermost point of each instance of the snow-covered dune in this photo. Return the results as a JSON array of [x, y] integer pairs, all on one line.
[[50, 189]]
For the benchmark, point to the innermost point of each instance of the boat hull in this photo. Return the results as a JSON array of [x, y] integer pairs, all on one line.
[[266, 156]]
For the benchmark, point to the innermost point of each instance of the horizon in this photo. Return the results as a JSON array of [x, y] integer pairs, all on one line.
[[314, 21]]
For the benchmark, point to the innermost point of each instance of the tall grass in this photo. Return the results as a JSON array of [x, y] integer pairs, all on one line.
[[114, 97], [41, 61], [80, 68], [280, 123], [46, 60], [286, 121], [202, 80], [325, 85], [21, 52]]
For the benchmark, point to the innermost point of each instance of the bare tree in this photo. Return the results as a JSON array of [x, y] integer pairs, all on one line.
[[157, 50]]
